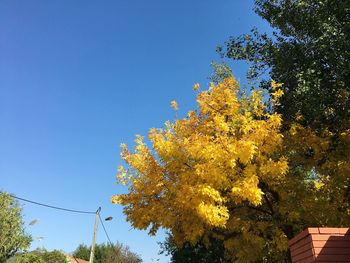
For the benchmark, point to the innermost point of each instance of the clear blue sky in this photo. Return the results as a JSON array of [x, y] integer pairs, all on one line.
[[77, 78]]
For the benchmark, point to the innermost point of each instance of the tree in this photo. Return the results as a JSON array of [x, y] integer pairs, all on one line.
[[228, 173], [29, 258], [208, 172], [82, 251], [108, 253], [54, 256], [183, 181], [308, 53], [41, 256], [13, 238], [198, 253]]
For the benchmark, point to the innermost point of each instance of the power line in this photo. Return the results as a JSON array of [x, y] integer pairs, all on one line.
[[51, 206], [109, 240], [73, 211], [104, 229]]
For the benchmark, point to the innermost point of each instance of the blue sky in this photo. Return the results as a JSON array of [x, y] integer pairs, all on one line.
[[77, 78]]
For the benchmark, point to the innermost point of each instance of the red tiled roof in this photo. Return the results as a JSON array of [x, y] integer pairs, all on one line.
[[72, 259]]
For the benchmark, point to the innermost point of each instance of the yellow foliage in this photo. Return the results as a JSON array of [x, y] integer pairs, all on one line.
[[196, 86], [227, 171], [199, 167], [323, 156], [174, 105]]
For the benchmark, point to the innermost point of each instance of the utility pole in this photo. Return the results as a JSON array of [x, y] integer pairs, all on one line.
[[94, 236]]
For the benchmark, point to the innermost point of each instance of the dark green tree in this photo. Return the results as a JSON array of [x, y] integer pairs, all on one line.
[[54, 256], [194, 253], [41, 256], [29, 258], [309, 52], [13, 238], [108, 253], [82, 251]]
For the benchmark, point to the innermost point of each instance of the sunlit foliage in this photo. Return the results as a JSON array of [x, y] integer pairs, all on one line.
[[205, 170], [13, 238]]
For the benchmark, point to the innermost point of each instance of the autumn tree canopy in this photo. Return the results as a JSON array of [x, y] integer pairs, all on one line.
[[245, 173], [228, 172], [204, 171]]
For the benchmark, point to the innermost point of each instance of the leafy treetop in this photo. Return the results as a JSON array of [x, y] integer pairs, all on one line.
[[13, 238]]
